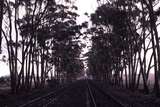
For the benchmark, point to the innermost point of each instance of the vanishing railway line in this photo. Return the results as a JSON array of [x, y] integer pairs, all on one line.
[[47, 99], [90, 97], [74, 95], [99, 98]]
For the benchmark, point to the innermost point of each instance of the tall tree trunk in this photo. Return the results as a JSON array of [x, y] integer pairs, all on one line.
[[42, 68], [1, 20], [155, 34], [16, 42], [146, 89]]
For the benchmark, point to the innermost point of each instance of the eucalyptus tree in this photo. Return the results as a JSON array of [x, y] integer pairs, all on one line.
[[141, 22], [147, 21], [150, 5], [1, 19], [134, 23], [12, 45], [112, 22], [35, 38], [100, 59], [125, 41], [53, 32], [71, 64]]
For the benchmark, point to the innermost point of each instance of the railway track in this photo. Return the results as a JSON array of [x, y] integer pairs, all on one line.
[[99, 98], [47, 99], [95, 97], [91, 102]]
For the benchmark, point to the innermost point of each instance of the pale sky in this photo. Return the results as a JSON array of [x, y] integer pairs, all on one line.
[[84, 6]]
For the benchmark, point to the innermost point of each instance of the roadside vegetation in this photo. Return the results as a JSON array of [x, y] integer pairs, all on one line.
[[125, 44], [42, 40], [43, 43]]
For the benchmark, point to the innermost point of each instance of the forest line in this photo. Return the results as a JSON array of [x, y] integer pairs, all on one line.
[[124, 33]]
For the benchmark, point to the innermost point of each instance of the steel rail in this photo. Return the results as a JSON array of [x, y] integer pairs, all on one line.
[[50, 95], [55, 98], [108, 95], [91, 95]]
